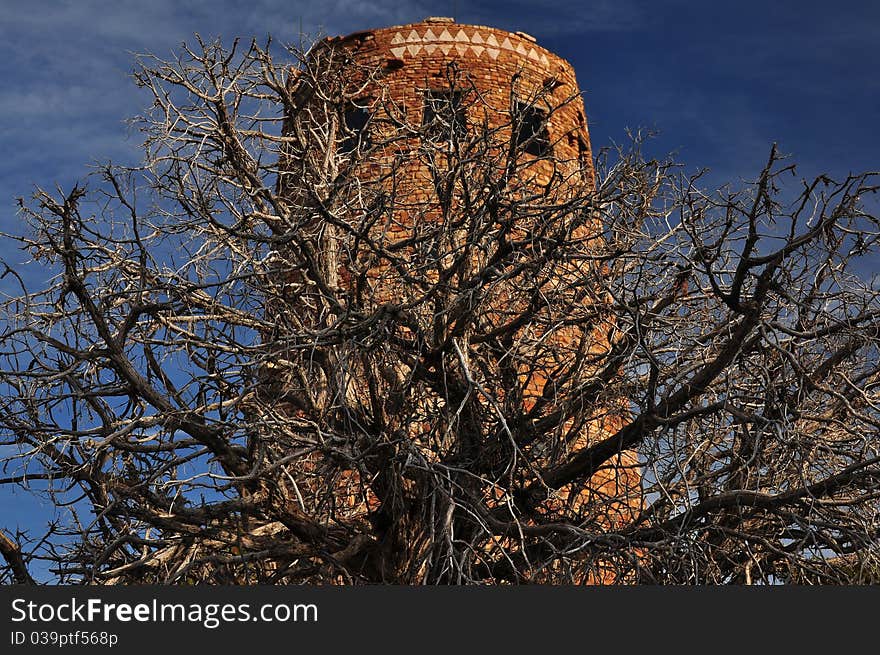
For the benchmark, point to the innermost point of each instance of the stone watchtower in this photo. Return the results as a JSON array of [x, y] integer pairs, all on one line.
[[381, 151]]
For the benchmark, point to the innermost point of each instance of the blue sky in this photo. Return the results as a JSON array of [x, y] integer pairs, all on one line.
[[720, 80]]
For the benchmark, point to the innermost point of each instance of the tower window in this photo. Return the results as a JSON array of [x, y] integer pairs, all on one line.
[[356, 120], [584, 154], [530, 127], [444, 115]]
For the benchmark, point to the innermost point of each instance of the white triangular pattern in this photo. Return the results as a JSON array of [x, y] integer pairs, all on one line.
[[461, 38]]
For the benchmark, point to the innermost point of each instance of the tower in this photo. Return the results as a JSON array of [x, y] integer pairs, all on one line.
[[438, 180]]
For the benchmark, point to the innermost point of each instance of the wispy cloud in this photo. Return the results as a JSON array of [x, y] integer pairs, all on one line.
[[65, 67]]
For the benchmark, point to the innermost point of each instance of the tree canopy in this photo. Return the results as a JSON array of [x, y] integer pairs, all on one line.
[[239, 372]]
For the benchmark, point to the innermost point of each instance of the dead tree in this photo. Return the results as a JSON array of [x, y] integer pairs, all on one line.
[[248, 368]]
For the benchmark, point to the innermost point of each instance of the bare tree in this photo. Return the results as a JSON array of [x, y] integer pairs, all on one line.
[[247, 368]]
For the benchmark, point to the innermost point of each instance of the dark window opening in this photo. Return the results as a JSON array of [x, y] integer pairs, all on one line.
[[444, 116], [583, 149], [531, 130], [552, 83], [355, 134], [584, 155], [392, 65]]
